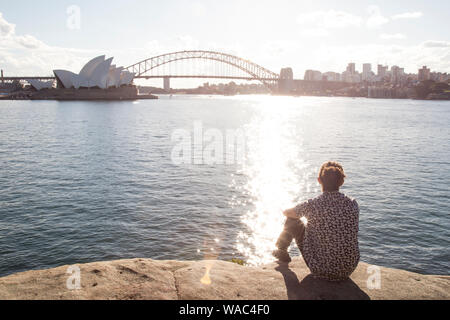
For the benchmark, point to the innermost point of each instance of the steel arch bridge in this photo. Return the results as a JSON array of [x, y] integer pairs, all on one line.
[[147, 69]]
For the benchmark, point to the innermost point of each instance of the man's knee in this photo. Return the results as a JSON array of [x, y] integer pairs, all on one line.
[[295, 227]]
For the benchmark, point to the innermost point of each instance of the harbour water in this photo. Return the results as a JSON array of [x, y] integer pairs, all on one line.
[[93, 181]]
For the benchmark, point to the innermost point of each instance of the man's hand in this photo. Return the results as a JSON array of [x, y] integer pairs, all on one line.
[[290, 213]]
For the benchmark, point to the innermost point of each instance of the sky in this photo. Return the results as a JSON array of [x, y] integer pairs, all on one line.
[[39, 36]]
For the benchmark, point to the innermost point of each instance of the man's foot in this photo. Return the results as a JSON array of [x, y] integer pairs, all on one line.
[[282, 255]]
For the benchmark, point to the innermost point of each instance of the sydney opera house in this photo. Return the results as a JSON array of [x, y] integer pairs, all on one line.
[[97, 73], [103, 80]]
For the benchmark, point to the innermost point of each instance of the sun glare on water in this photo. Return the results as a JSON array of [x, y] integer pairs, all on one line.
[[276, 174]]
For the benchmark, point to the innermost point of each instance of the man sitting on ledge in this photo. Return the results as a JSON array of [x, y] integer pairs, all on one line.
[[325, 229]]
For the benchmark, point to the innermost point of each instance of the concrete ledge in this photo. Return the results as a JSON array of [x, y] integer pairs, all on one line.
[[215, 280]]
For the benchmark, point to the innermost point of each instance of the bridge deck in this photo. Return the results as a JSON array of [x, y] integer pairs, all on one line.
[[149, 77]]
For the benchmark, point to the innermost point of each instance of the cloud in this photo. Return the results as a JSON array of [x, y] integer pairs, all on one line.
[[315, 33], [396, 36], [9, 38], [331, 19], [27, 55], [6, 28], [436, 44], [408, 15], [30, 42], [376, 19]]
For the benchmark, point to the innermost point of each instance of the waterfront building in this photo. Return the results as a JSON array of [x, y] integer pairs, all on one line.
[[351, 68], [39, 85], [367, 72], [286, 82], [347, 76], [332, 76], [439, 76], [382, 71], [97, 73], [350, 74], [397, 74], [313, 75], [424, 74], [391, 92]]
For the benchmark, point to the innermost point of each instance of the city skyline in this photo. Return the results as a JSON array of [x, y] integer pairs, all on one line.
[[321, 36], [395, 74]]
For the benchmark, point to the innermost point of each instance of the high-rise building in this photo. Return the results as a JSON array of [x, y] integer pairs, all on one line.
[[439, 76], [351, 68], [313, 75], [424, 74], [347, 76], [367, 72], [395, 74], [286, 82], [381, 71], [332, 76]]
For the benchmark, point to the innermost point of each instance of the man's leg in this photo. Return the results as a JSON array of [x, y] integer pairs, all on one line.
[[285, 238], [293, 229], [298, 231]]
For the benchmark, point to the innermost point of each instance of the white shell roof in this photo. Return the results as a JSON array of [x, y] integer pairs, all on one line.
[[66, 77], [96, 73], [88, 69], [100, 74], [39, 85], [126, 78], [114, 77]]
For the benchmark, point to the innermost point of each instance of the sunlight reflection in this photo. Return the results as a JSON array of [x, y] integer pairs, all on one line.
[[206, 280], [276, 175], [304, 220], [210, 255]]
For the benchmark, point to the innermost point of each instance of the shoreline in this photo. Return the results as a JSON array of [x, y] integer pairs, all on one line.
[[147, 279], [294, 96], [24, 96], [112, 94]]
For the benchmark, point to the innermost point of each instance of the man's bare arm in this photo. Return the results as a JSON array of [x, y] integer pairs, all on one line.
[[290, 213]]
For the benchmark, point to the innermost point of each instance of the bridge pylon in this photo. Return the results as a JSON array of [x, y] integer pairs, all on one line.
[[166, 84]]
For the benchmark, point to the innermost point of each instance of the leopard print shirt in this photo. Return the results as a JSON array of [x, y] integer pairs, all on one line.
[[330, 246]]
